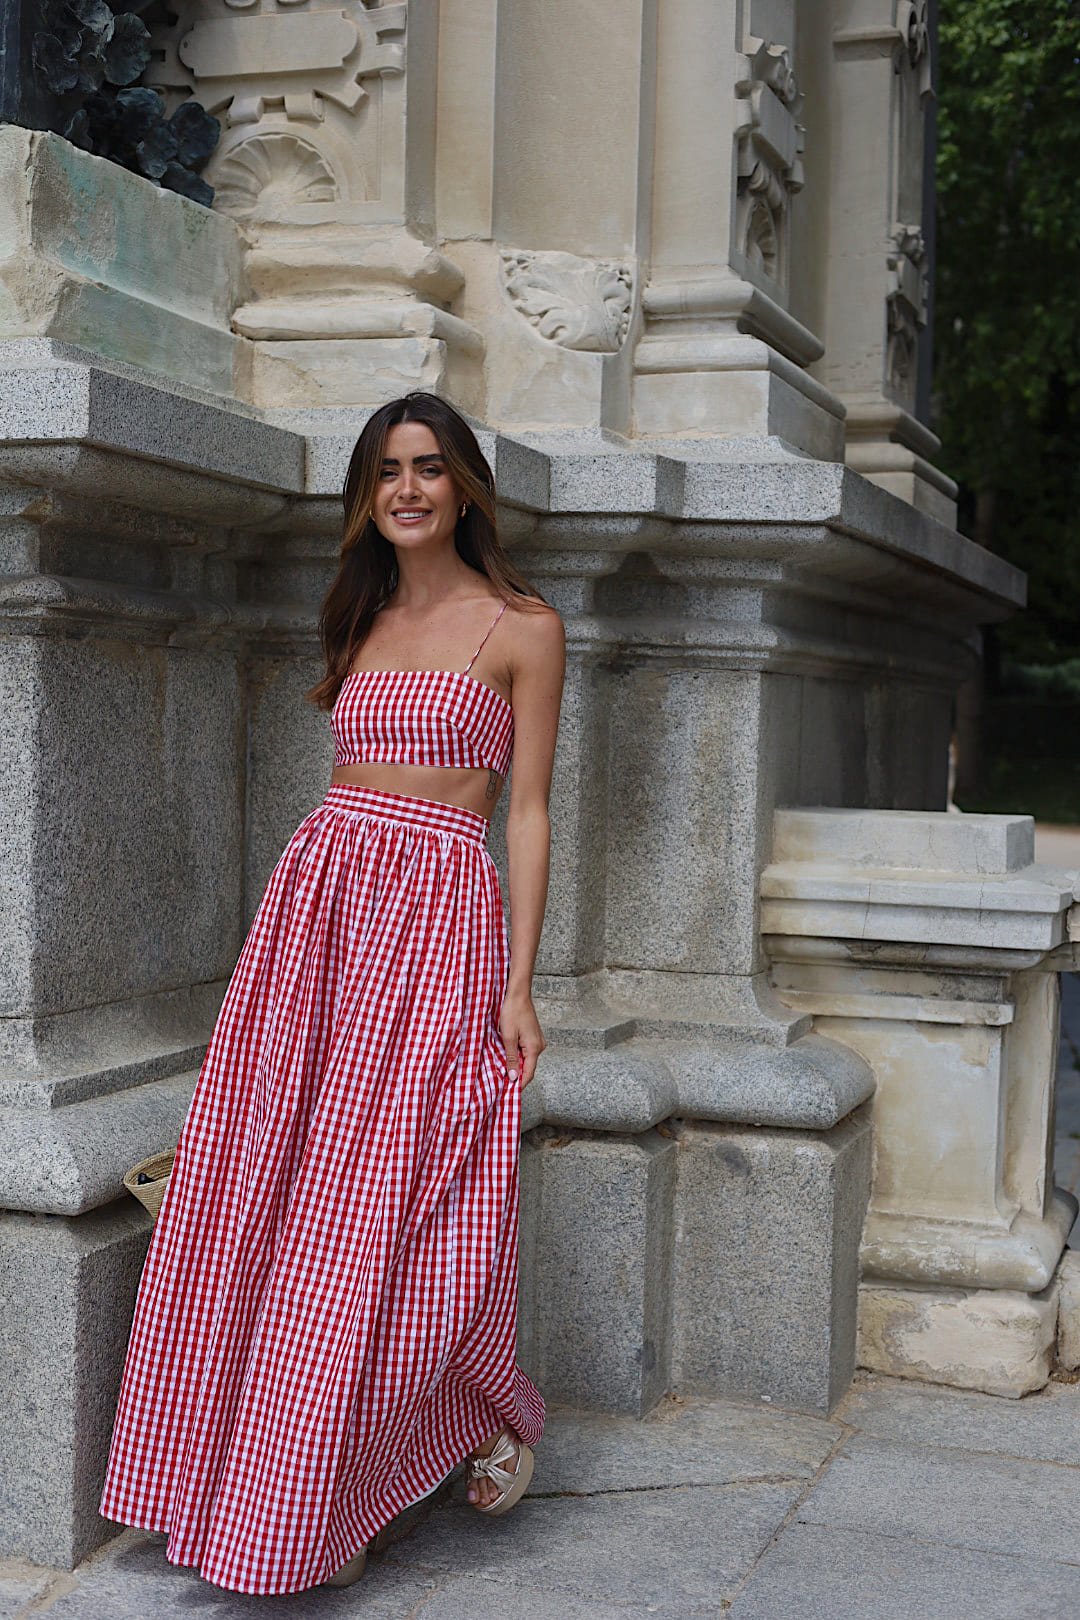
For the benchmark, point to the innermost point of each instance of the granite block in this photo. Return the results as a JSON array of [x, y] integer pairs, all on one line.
[[88, 1052], [813, 1084], [637, 1083], [290, 756], [814, 1573], [680, 1442], [678, 1553], [616, 481], [602, 1270], [626, 1088], [572, 940], [683, 849], [522, 471], [763, 492], [58, 393], [20, 787], [64, 1161], [833, 744], [581, 820], [67, 1293], [766, 1260], [1044, 1426], [998, 1505], [143, 747]]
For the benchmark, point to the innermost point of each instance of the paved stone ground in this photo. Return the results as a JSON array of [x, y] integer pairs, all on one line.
[[910, 1503]]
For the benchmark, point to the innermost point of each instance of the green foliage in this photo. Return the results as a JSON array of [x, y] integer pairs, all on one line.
[[1007, 319], [1049, 683]]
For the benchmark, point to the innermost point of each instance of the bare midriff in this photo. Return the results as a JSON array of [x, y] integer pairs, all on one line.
[[461, 785]]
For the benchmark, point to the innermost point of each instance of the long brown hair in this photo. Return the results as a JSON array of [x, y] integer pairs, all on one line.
[[368, 574]]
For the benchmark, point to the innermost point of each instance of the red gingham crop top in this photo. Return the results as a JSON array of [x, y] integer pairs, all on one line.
[[423, 717]]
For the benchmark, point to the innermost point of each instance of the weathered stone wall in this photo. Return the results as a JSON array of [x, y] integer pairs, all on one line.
[[628, 239]]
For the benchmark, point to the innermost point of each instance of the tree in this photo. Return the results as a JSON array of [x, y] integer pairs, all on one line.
[[1007, 318]]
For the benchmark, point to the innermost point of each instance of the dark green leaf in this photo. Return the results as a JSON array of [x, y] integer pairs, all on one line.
[[177, 178], [56, 65], [196, 132], [127, 49]]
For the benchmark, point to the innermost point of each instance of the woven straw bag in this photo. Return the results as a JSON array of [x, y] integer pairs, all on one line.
[[155, 1172]]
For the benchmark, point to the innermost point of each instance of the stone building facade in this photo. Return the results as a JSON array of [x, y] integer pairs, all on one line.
[[671, 256]]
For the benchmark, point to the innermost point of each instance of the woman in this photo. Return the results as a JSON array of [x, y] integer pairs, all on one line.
[[326, 1321]]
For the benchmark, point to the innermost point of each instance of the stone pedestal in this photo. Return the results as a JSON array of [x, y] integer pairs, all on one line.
[[189, 543], [767, 1259], [67, 1291], [597, 1268], [930, 944]]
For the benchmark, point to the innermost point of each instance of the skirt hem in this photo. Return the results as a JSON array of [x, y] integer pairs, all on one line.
[[374, 1520]]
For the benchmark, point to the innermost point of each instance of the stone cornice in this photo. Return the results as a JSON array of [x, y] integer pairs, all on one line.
[[71, 423]]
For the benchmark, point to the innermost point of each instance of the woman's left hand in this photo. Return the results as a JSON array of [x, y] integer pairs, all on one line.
[[521, 1035]]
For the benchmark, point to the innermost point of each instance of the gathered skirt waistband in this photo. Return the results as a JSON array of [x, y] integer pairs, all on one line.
[[430, 814]]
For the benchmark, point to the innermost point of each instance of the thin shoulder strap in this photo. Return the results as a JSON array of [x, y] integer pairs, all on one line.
[[490, 628]]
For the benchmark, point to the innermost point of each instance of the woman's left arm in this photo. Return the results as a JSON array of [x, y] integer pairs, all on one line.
[[538, 671]]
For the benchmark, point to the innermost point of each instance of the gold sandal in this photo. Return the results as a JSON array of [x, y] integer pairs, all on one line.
[[512, 1484]]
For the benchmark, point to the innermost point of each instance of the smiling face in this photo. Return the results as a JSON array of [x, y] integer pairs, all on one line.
[[416, 501]]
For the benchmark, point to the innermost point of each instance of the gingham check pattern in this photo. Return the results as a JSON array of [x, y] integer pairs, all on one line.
[[326, 1320], [422, 717]]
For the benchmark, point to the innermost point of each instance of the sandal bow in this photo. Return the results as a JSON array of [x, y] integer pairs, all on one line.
[[510, 1483]]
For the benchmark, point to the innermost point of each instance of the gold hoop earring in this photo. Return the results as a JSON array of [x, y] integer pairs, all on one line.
[[464, 508]]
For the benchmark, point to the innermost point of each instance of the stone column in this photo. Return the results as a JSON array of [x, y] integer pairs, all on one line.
[[882, 84], [722, 353], [545, 164], [327, 158], [931, 945]]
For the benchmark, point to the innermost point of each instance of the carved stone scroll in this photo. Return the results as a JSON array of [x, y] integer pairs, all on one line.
[[770, 141], [906, 301]]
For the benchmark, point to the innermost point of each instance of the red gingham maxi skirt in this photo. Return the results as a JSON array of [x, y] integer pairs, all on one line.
[[326, 1320]]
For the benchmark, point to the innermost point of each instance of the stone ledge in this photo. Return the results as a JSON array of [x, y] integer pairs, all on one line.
[[57, 395], [908, 840], [1022, 1255], [65, 1161], [831, 878], [632, 1086], [51, 393]]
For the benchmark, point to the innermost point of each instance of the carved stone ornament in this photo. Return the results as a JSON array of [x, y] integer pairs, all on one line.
[[770, 141], [292, 57], [913, 25], [578, 303], [906, 305], [274, 166], [311, 70]]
